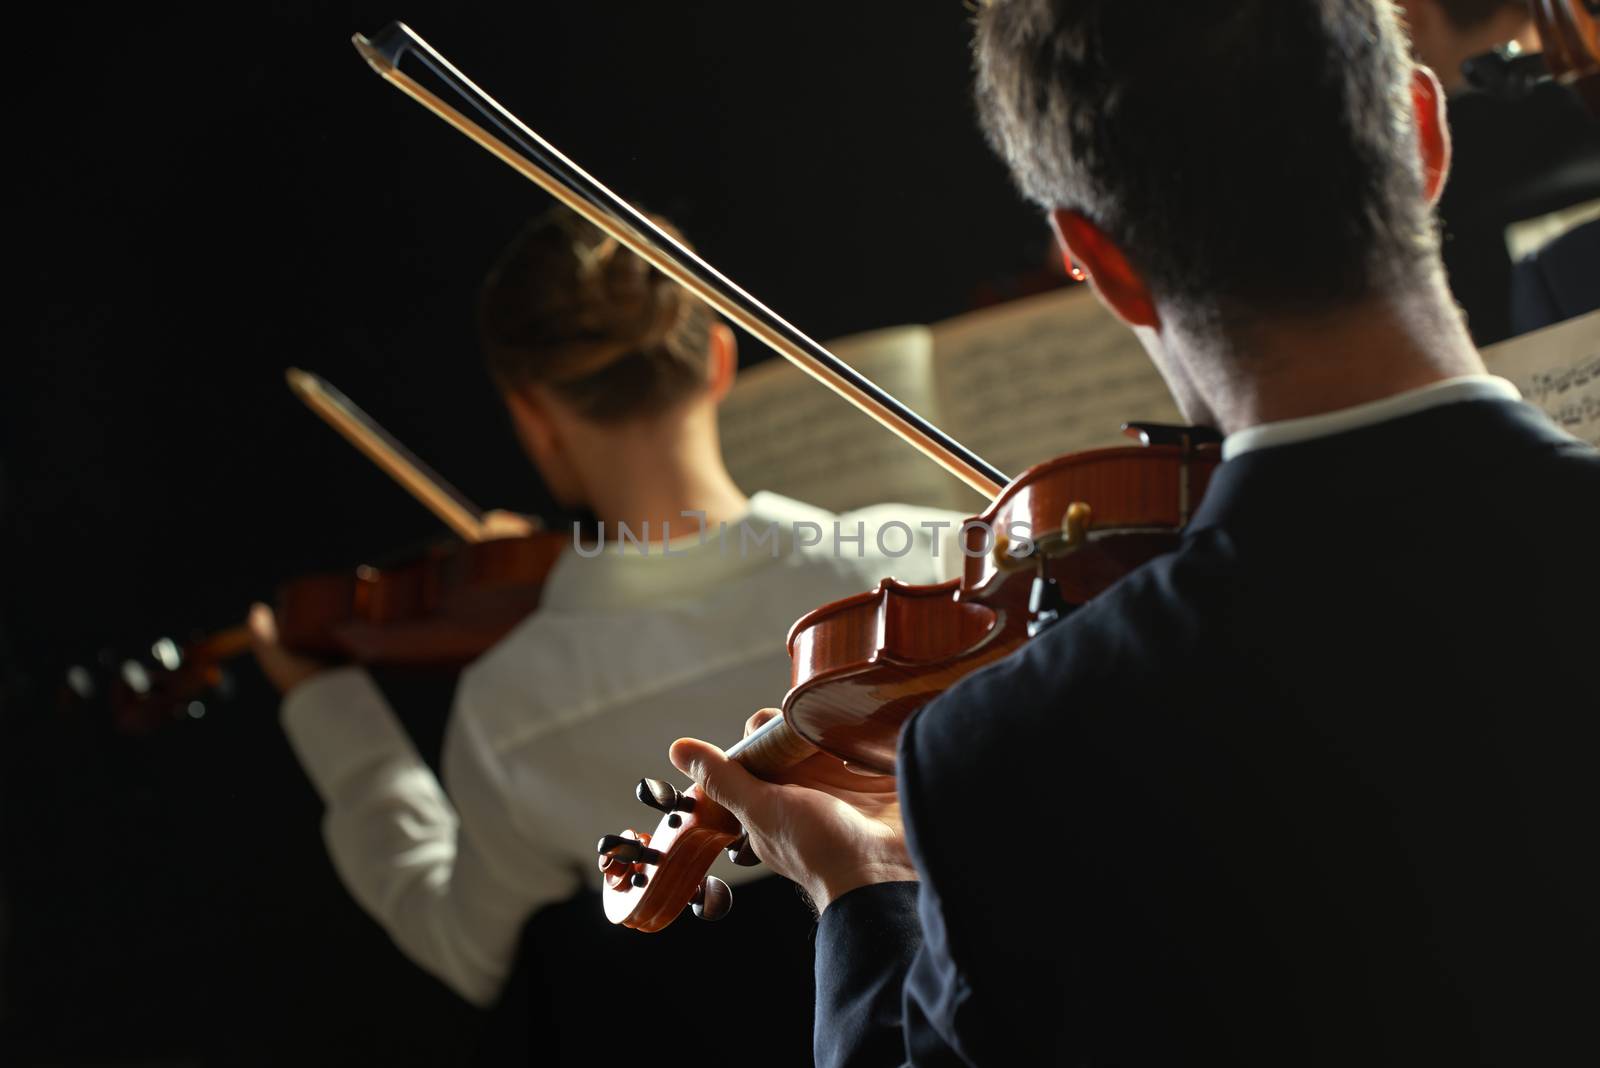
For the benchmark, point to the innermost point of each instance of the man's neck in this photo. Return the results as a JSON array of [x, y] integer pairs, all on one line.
[[1314, 364]]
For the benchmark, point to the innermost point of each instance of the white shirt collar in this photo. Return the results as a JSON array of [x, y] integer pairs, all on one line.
[[1293, 431]]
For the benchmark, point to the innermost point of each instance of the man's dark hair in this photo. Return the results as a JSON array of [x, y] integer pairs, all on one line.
[[1249, 156]]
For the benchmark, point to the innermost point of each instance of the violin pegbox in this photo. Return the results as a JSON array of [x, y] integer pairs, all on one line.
[[171, 683], [651, 878]]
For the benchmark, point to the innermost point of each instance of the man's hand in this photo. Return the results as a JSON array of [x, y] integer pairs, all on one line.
[[286, 670], [825, 827]]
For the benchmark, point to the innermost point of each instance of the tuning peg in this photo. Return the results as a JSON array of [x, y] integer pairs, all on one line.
[[165, 652], [713, 900], [740, 853], [80, 680], [135, 677], [662, 796], [628, 850]]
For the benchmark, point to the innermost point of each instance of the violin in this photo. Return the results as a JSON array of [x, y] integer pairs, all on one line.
[[862, 666], [440, 609]]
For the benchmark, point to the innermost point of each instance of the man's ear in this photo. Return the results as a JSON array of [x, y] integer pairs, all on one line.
[[1433, 130], [724, 361], [1119, 285]]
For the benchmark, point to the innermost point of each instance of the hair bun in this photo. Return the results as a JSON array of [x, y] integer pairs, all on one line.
[[567, 302], [644, 304]]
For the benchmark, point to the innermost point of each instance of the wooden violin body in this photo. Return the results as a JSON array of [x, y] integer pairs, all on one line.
[[862, 666], [443, 609], [440, 610], [1056, 537]]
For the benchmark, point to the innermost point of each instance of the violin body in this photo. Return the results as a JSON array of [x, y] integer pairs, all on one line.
[[438, 611], [862, 666], [1055, 537], [443, 609]]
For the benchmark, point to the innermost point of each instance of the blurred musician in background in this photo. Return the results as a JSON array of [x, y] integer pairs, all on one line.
[[1445, 34], [1312, 789], [612, 376], [1520, 215]]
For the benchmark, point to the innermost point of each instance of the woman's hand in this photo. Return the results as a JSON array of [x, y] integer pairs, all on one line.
[[286, 670], [826, 827], [502, 524]]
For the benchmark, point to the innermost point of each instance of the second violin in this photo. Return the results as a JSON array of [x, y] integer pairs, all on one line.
[[438, 609]]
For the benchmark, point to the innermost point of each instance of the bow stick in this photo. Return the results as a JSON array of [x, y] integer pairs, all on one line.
[[537, 160]]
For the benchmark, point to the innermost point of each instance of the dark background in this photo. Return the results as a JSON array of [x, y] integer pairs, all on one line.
[[211, 195]]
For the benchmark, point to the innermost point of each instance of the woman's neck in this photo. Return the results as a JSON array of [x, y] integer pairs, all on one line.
[[656, 478]]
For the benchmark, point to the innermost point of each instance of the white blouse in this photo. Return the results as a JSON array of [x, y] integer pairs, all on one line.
[[552, 728]]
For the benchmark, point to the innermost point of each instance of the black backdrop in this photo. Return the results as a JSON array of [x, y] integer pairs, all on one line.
[[211, 195]]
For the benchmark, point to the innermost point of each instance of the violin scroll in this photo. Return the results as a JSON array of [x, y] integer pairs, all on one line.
[[651, 878]]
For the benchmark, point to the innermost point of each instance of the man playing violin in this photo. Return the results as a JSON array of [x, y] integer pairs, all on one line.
[[1445, 34], [1317, 787]]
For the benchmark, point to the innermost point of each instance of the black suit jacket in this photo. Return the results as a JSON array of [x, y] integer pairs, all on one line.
[[1321, 787]]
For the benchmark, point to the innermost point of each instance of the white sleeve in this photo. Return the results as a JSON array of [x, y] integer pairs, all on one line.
[[397, 842]]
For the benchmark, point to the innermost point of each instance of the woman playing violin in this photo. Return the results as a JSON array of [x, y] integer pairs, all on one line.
[[1313, 788], [612, 376]]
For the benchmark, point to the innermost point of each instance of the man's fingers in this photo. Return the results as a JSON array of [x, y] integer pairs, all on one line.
[[757, 721], [723, 780]]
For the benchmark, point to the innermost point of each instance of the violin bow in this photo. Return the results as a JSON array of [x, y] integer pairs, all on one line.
[[537, 160], [394, 459]]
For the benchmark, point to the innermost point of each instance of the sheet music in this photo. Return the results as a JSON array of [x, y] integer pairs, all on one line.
[[785, 432], [1557, 368], [1063, 374], [1037, 378]]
